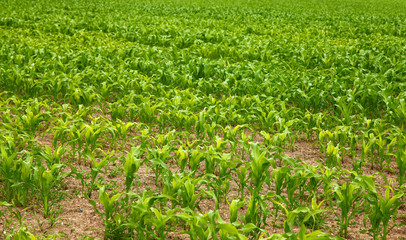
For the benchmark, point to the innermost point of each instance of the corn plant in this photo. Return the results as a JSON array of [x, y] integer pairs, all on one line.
[[61, 132], [23, 181], [296, 216], [8, 164], [96, 167], [333, 158], [161, 221], [77, 133], [32, 120], [140, 217], [349, 197], [195, 157], [234, 206], [91, 137], [158, 160], [147, 112], [53, 157], [346, 109], [198, 225], [182, 156], [109, 204], [46, 180], [219, 181], [256, 214], [187, 194], [401, 163], [231, 135], [259, 167], [123, 129], [211, 226], [131, 165], [383, 210], [242, 180], [117, 110], [200, 124], [147, 219], [368, 149]]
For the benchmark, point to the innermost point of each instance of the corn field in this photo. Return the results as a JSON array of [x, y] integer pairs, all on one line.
[[268, 119]]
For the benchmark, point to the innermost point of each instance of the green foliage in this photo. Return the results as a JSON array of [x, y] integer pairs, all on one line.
[[383, 210], [188, 109], [45, 180], [349, 197]]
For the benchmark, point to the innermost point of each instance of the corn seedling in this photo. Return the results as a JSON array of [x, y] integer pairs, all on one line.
[[46, 180], [383, 210], [349, 197]]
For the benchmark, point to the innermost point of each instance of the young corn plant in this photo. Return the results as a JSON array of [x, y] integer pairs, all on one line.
[[53, 157], [147, 218], [220, 181], [390, 150], [280, 139], [164, 139], [401, 163], [381, 145], [383, 210], [200, 124], [242, 180], [118, 111], [163, 221], [211, 130], [140, 217], [368, 148], [187, 194], [333, 157], [158, 160], [256, 214], [349, 197], [17, 174], [31, 120], [131, 165], [302, 235], [147, 112], [198, 225], [295, 216], [76, 134], [259, 167], [195, 157], [123, 129], [96, 167], [23, 184], [182, 156], [231, 134], [317, 217], [234, 207], [61, 132], [91, 136], [211, 226], [110, 208], [7, 165], [46, 180], [210, 160], [280, 177], [346, 110], [311, 178]]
